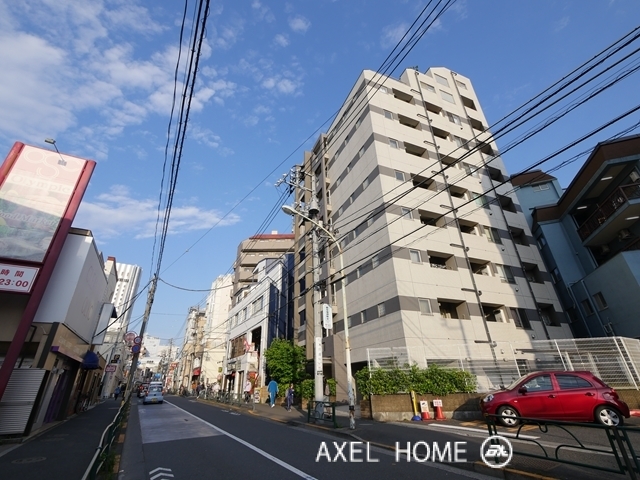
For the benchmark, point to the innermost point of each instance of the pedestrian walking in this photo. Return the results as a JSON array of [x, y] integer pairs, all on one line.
[[116, 392], [290, 393], [273, 390], [247, 390], [216, 389]]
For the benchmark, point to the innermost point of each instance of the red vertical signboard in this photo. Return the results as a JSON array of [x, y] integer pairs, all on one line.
[[40, 192]]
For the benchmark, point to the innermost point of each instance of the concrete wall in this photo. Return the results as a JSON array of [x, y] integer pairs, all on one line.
[[396, 408]]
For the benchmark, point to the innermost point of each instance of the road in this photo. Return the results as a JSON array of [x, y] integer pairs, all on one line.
[[187, 439]]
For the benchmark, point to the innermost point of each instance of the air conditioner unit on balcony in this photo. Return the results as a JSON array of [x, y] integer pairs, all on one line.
[[624, 234]]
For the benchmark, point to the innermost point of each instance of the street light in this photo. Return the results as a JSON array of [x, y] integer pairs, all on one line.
[[347, 347]]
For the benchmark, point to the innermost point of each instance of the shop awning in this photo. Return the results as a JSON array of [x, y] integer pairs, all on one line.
[[90, 361]]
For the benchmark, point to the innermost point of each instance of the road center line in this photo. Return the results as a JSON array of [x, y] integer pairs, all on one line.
[[282, 463]]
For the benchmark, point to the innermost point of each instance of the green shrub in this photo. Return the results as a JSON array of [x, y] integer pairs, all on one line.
[[432, 380]]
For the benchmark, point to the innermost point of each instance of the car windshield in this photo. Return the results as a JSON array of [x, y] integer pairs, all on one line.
[[155, 390], [515, 382]]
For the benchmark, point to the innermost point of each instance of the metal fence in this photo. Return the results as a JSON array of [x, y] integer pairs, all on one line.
[[616, 360]]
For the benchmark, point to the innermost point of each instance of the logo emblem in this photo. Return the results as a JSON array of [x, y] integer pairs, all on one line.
[[496, 451]]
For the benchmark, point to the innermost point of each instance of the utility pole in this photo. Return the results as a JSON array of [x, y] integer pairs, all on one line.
[[317, 320], [145, 319]]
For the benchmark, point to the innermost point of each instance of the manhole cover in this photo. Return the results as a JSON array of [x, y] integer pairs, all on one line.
[[30, 460]]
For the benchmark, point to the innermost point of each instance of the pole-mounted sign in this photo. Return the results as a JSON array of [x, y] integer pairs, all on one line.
[[327, 316]]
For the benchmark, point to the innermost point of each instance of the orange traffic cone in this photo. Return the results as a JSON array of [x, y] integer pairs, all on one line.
[[437, 406]]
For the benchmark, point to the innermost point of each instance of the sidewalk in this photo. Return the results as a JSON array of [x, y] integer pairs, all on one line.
[[385, 435], [61, 451]]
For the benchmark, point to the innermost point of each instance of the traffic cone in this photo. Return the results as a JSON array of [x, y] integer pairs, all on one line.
[[438, 410]]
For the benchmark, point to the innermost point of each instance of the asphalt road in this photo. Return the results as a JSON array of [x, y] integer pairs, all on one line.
[[187, 439]]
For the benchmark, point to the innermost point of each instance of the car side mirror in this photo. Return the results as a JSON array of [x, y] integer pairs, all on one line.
[[522, 390]]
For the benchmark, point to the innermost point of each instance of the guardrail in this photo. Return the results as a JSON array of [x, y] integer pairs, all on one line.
[[106, 440], [322, 411], [622, 456]]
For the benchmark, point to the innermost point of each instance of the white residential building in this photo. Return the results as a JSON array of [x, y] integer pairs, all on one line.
[[215, 329], [433, 266]]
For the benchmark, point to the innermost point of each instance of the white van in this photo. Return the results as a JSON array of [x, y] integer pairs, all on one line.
[[154, 395]]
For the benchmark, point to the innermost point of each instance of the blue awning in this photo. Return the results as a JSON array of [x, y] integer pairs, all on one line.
[[90, 361]]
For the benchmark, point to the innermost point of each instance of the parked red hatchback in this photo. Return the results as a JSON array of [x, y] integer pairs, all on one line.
[[557, 395]]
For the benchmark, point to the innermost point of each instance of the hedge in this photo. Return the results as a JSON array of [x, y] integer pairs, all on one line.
[[433, 380]]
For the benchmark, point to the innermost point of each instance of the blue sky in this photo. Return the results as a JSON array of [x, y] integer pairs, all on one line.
[[98, 76]]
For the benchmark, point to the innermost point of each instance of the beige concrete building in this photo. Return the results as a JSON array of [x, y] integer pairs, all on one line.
[[432, 265], [250, 252]]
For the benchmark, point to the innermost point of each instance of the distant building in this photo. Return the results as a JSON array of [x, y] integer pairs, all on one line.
[[190, 358], [589, 236], [250, 252], [263, 314], [113, 348], [216, 328]]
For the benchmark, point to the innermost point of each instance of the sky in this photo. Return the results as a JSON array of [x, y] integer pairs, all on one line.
[[98, 78]]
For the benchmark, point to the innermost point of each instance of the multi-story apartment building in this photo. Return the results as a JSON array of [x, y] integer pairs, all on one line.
[[113, 349], [589, 236], [253, 250], [259, 317], [432, 263], [216, 328], [192, 349]]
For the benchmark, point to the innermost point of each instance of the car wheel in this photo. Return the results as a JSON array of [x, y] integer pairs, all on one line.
[[609, 416], [160, 402], [507, 416]]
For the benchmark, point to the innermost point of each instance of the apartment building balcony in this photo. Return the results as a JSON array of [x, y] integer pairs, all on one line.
[[615, 214]]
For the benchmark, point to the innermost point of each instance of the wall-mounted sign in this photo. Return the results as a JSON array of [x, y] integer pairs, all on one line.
[[110, 368], [15, 278], [327, 316]]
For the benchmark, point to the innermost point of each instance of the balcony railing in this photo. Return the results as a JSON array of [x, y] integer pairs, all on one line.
[[606, 209]]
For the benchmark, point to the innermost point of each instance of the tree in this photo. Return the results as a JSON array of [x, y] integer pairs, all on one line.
[[285, 362]]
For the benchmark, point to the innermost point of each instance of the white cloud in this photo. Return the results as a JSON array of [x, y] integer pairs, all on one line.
[[117, 213], [262, 13], [281, 39], [561, 24], [392, 34], [299, 24]]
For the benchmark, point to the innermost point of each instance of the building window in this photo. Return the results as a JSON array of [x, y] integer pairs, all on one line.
[[388, 114], [303, 317], [428, 87], [454, 118], [363, 316], [555, 275], [548, 316], [461, 142], [493, 235], [492, 313], [358, 272], [461, 85], [375, 261], [425, 306], [520, 319], [586, 306], [361, 152], [393, 143], [601, 303], [381, 310], [541, 242], [415, 256], [369, 221], [365, 184], [481, 200], [400, 176], [340, 210], [406, 212], [448, 310], [359, 122], [470, 170], [441, 80], [505, 273], [447, 97], [303, 255], [540, 186]]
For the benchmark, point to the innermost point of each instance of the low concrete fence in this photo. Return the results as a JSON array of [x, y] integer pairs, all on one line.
[[459, 406], [396, 408]]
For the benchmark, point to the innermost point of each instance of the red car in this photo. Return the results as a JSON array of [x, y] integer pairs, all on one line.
[[557, 395]]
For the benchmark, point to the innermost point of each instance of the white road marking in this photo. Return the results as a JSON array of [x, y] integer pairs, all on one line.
[[162, 475], [159, 469], [282, 463]]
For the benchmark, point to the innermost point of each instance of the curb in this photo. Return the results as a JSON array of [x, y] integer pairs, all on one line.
[[477, 467]]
